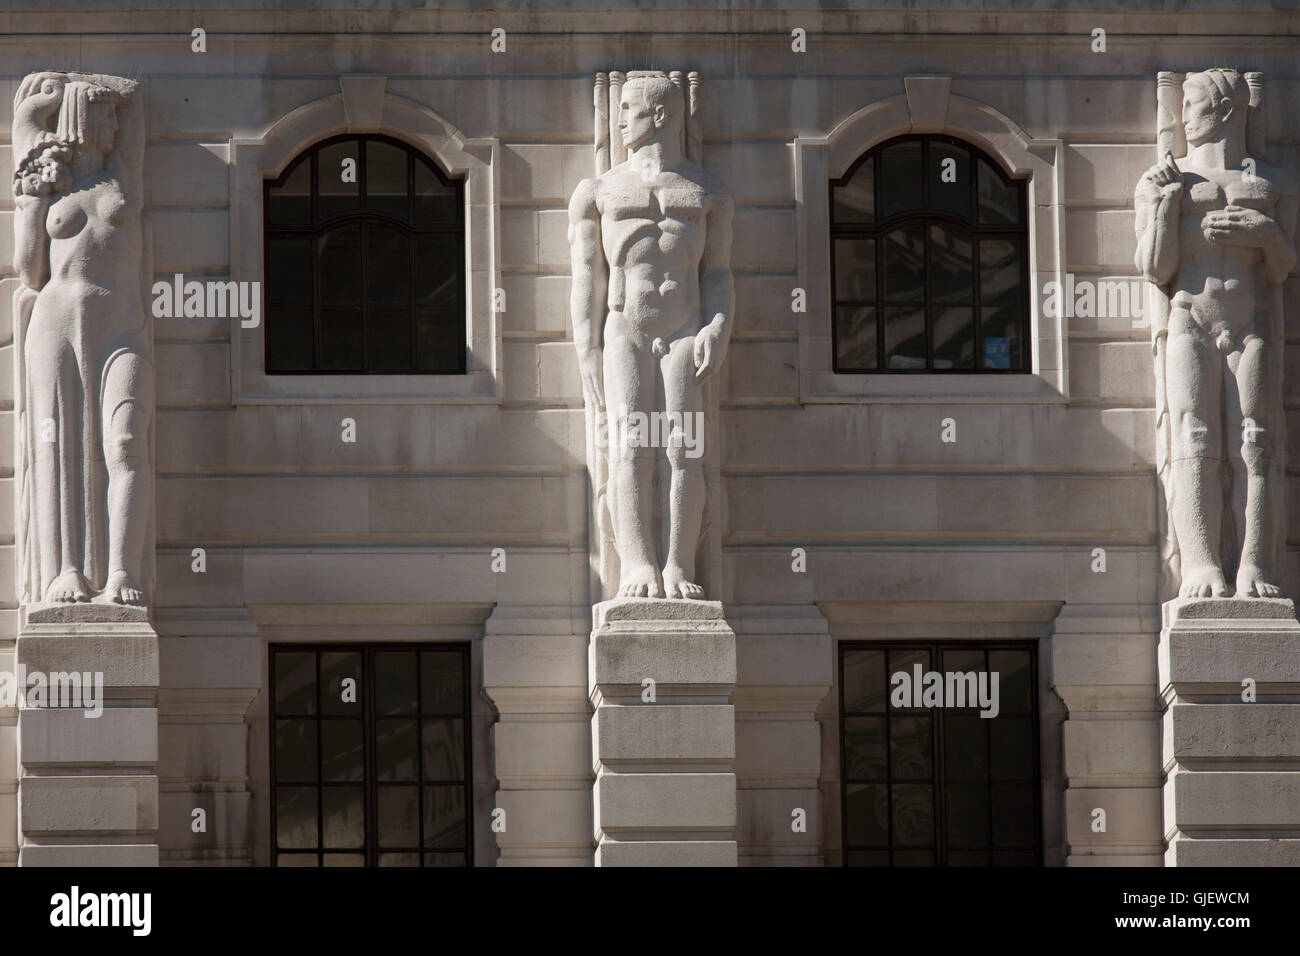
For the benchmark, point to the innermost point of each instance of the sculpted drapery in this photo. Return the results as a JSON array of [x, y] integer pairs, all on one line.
[[84, 393]]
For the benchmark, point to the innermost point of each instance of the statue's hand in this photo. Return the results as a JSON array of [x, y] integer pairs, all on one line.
[[1164, 173], [1238, 226], [709, 350], [593, 388]]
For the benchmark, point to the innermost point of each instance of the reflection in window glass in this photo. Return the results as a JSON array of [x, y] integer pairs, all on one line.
[[938, 784], [942, 232], [365, 263], [370, 755]]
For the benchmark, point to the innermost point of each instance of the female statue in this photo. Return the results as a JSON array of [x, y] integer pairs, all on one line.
[[84, 394]]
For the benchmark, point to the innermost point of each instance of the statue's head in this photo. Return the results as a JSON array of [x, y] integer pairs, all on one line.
[[1214, 101], [652, 107]]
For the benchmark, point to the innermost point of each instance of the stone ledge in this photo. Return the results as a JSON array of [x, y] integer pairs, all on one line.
[[1228, 609], [656, 611], [1208, 661], [83, 612]]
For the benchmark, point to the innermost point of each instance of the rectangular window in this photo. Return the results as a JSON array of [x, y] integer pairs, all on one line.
[[926, 780], [370, 755]]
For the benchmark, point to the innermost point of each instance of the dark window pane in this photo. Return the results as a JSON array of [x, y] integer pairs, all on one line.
[[968, 815], [435, 204], [289, 339], [439, 341], [441, 682], [963, 659], [855, 338], [1000, 272], [342, 751], [864, 748], [295, 683], [395, 682], [949, 175], [1003, 347], [913, 805], [855, 201], [1013, 816], [913, 858], [438, 263], [388, 265], [339, 254], [399, 859], [904, 338], [345, 859], [905, 662], [388, 338], [867, 858], [443, 749], [295, 751], [344, 817], [399, 816], [336, 696], [288, 272], [297, 859], [952, 279], [954, 337], [999, 204], [864, 682], [1014, 680], [444, 859], [910, 748], [968, 858], [867, 814], [386, 187], [289, 204], [338, 194], [444, 817], [855, 270], [900, 182], [342, 346], [295, 818], [965, 748], [396, 745], [1011, 748], [905, 264]]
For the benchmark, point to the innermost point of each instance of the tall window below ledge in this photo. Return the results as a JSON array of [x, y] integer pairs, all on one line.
[[365, 262], [930, 261]]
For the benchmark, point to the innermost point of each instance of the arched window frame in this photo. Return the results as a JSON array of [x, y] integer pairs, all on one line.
[[926, 214], [364, 214], [364, 105], [928, 106]]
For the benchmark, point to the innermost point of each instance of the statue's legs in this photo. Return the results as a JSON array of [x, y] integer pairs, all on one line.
[[54, 435], [127, 399], [1194, 383], [1251, 398], [629, 388], [682, 402]]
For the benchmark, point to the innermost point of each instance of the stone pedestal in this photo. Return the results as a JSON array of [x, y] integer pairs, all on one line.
[[1232, 790], [88, 785], [661, 677]]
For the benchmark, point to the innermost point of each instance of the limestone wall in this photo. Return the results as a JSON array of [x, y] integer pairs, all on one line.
[[395, 532]]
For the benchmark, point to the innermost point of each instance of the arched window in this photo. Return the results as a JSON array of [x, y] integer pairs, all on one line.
[[365, 262], [930, 261]]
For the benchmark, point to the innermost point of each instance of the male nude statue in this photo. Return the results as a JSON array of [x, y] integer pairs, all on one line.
[[1215, 230], [652, 303]]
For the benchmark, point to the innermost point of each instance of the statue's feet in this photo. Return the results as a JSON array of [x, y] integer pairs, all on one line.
[[119, 590], [676, 584], [640, 580], [1251, 582], [1203, 583], [68, 587]]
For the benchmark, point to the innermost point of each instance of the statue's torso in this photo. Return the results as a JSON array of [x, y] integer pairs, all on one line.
[[653, 235], [1220, 277]]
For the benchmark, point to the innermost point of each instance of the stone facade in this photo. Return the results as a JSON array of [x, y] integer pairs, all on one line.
[[927, 509]]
